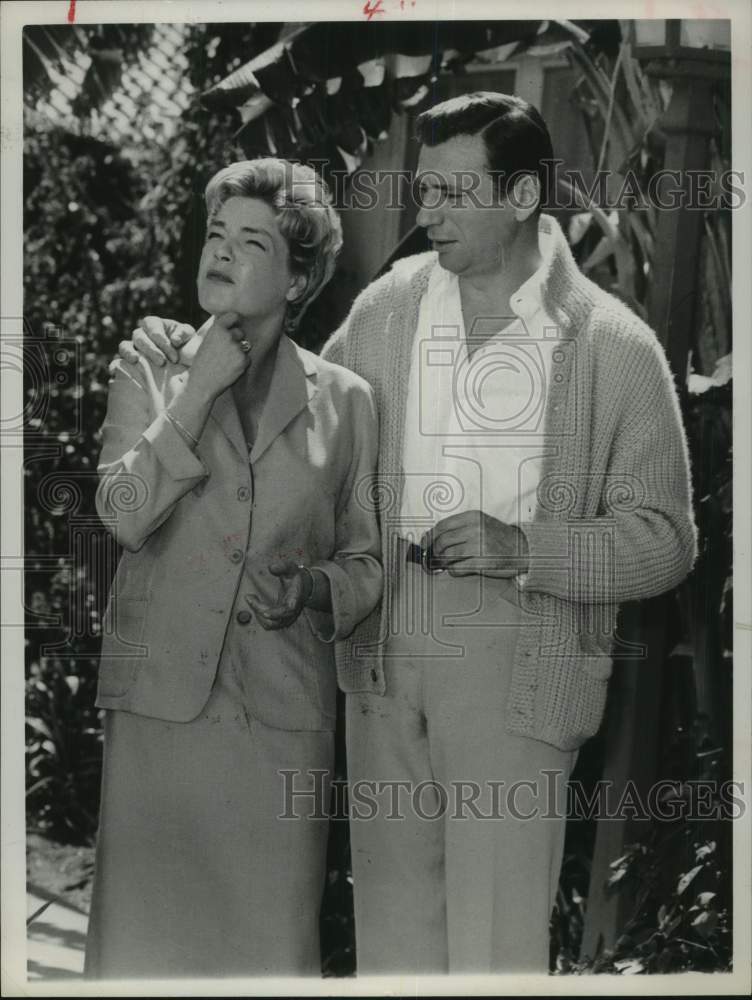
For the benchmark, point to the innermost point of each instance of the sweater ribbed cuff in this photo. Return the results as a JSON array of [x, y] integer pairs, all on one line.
[[549, 554]]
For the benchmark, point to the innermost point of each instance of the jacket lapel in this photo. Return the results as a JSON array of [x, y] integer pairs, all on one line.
[[292, 387], [224, 413]]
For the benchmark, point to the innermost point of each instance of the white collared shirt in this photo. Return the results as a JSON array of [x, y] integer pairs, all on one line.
[[473, 436]]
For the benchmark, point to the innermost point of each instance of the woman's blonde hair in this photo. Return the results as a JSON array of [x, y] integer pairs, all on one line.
[[305, 215]]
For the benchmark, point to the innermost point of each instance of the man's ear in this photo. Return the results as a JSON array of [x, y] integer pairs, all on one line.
[[297, 287], [525, 196]]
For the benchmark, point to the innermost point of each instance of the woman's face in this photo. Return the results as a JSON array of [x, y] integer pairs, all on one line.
[[245, 263]]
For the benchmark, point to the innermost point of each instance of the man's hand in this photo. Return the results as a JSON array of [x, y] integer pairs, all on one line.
[[157, 339], [474, 542], [295, 587]]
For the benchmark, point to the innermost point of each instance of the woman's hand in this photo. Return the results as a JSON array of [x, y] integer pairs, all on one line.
[[222, 358], [296, 586]]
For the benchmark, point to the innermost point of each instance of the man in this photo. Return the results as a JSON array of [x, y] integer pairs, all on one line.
[[533, 473]]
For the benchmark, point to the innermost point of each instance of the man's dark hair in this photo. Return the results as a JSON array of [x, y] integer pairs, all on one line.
[[516, 138]]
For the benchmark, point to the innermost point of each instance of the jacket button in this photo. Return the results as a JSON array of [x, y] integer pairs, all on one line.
[[236, 556], [374, 675], [244, 493], [243, 617]]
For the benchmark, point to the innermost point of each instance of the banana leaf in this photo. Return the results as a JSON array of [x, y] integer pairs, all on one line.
[[718, 293], [603, 250], [620, 136], [639, 88], [643, 235], [725, 253], [626, 267], [587, 204]]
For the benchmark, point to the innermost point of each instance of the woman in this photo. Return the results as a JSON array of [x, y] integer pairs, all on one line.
[[232, 480]]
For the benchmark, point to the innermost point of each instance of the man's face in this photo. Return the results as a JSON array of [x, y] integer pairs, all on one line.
[[460, 211]]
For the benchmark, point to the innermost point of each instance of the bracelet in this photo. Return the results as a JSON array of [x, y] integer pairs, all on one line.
[[183, 430], [305, 569]]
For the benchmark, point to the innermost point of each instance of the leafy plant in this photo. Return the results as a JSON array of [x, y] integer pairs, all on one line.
[[677, 877], [621, 107], [63, 751], [680, 922]]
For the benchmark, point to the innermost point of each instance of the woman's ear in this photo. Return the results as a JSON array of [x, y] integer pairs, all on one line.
[[297, 287]]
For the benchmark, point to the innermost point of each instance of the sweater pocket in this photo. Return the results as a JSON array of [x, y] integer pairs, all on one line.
[[591, 697], [595, 667], [596, 660], [577, 710], [576, 701]]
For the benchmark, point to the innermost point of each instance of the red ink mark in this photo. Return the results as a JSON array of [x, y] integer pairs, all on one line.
[[231, 541], [72, 11], [370, 8]]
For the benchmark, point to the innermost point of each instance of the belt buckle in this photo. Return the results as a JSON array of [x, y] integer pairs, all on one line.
[[424, 558]]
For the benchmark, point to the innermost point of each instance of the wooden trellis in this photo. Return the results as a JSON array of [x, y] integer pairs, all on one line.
[[152, 94]]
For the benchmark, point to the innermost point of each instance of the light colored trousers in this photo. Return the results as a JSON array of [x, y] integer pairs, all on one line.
[[466, 891]]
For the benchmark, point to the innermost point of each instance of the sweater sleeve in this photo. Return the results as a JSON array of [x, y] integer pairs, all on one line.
[[643, 540], [334, 349], [370, 304]]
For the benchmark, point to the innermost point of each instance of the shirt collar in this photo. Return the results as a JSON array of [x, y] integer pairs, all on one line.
[[528, 298]]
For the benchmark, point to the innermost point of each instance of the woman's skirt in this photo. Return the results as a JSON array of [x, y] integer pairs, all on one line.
[[196, 874]]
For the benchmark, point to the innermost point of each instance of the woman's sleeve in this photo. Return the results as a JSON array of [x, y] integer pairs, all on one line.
[[354, 571], [145, 465]]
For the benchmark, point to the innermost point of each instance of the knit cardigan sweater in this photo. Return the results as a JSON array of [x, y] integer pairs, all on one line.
[[613, 520]]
